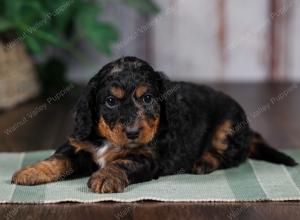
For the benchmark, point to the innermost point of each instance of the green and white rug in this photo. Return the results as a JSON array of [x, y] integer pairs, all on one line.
[[252, 181]]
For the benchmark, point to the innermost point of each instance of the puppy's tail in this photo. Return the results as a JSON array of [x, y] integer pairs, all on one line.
[[260, 150]]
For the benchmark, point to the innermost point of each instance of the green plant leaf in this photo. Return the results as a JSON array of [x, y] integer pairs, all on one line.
[[48, 37], [104, 36], [42, 23], [5, 25], [100, 34], [33, 45], [12, 9], [62, 12], [143, 6], [32, 12]]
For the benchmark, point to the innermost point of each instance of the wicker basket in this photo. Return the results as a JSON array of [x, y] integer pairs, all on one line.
[[17, 78]]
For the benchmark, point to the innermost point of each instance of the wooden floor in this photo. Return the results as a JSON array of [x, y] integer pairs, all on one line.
[[273, 109]]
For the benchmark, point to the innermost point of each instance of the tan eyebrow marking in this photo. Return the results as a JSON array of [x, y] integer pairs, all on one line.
[[141, 90], [117, 92]]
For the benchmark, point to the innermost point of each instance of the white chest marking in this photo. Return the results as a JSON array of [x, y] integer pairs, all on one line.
[[101, 151]]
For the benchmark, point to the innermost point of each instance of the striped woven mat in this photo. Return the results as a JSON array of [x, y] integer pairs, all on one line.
[[251, 181]]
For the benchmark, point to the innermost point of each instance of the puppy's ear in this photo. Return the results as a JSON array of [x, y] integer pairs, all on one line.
[[84, 112], [163, 80], [171, 102], [163, 77]]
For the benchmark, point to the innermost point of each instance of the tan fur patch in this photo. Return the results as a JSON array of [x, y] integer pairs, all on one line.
[[115, 154], [82, 145], [256, 140], [207, 164], [140, 91], [115, 135], [149, 128], [211, 160], [220, 137], [50, 170], [118, 92]]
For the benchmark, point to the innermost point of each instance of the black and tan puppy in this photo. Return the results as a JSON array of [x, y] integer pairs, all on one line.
[[132, 124]]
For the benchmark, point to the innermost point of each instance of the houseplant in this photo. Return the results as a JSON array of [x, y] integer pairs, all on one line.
[[29, 27]]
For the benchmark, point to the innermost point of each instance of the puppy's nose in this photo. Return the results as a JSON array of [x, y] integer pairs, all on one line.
[[132, 132]]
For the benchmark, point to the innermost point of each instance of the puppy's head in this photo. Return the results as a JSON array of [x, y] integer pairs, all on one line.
[[121, 103]]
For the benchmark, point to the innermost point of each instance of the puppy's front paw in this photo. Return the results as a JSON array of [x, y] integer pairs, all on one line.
[[29, 176], [44, 171], [104, 181]]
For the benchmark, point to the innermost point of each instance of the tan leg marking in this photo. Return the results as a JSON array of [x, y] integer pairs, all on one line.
[[207, 164], [256, 140], [50, 170], [219, 140], [82, 146]]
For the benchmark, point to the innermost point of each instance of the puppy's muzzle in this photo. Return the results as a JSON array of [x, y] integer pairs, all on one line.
[[132, 133]]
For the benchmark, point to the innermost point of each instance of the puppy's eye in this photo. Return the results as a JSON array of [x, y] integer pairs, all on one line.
[[111, 102], [148, 99]]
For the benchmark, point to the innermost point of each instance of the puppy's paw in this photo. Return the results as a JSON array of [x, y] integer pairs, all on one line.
[[44, 171], [104, 182], [29, 176]]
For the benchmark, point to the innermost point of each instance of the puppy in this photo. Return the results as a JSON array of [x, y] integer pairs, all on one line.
[[133, 124]]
